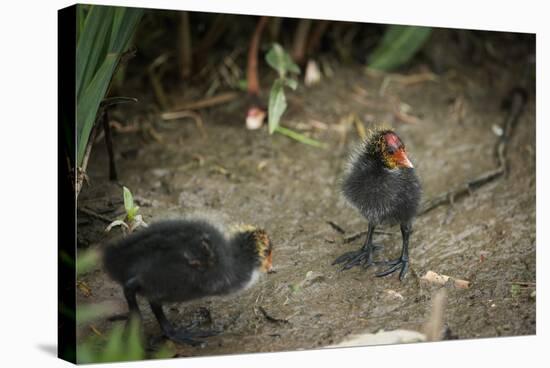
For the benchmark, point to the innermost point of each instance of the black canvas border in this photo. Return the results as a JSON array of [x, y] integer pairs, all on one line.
[[66, 206]]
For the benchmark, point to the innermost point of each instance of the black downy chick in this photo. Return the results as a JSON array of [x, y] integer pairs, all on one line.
[[381, 183], [183, 260]]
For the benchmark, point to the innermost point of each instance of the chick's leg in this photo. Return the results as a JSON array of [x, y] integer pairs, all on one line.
[[130, 290], [401, 263], [182, 336], [362, 256]]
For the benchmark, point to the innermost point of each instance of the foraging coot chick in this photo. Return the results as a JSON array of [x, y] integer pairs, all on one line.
[[182, 260], [381, 183]]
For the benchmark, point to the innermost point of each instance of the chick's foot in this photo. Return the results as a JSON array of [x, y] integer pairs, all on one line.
[[185, 336], [396, 264], [359, 257]]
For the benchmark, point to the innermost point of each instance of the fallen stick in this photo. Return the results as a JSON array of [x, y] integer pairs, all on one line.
[[460, 191], [433, 328], [518, 99], [186, 114], [336, 227], [93, 214], [205, 102]]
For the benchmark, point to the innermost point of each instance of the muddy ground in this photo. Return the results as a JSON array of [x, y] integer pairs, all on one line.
[[292, 189]]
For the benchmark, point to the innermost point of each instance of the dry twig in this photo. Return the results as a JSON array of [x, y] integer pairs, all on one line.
[[184, 45], [434, 326], [518, 99], [252, 67], [206, 102], [300, 40], [94, 214], [186, 114], [336, 227]]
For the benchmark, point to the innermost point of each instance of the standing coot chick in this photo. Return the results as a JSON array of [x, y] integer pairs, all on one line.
[[381, 183], [182, 260]]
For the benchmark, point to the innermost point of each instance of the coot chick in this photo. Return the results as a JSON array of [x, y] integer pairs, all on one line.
[[381, 183], [182, 260]]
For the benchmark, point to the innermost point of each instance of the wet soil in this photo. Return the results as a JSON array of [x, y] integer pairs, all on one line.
[[292, 189]]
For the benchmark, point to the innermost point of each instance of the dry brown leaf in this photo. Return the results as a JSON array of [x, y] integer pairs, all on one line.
[[84, 288]]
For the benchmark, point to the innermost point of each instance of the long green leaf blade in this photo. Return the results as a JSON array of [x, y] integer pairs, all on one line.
[[128, 200], [105, 35], [281, 61], [89, 53], [277, 105], [88, 104], [299, 137], [398, 46]]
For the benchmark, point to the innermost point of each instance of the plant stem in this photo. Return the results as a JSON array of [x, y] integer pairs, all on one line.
[[316, 35], [81, 171], [109, 144], [299, 137], [185, 48], [215, 32], [252, 67], [300, 40]]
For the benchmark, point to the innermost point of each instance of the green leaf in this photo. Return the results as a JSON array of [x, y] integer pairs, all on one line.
[[85, 353], [80, 18], [124, 25], [86, 260], [89, 53], [275, 59], [291, 66], [281, 61], [90, 312], [104, 33], [88, 104], [398, 45], [299, 137], [164, 352], [115, 345], [123, 346], [277, 105], [135, 346], [128, 200], [132, 213], [291, 83]]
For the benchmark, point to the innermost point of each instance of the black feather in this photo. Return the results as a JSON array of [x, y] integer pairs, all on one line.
[[181, 260], [382, 195]]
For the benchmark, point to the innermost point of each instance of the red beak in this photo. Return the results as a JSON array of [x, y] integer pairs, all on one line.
[[402, 159]]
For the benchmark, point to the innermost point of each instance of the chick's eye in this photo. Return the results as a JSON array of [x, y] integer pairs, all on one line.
[[391, 150]]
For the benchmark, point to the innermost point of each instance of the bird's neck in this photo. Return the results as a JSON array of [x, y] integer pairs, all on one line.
[[373, 163], [240, 269]]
